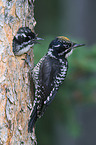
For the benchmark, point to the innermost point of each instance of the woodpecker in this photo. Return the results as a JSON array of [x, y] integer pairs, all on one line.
[[48, 75], [23, 40]]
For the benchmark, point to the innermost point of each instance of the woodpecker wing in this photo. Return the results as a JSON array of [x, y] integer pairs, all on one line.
[[48, 71], [49, 83], [48, 75]]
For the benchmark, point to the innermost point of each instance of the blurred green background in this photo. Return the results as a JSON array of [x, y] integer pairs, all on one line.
[[71, 117]]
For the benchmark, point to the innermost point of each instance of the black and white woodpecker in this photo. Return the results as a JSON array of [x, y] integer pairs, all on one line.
[[48, 75], [23, 40]]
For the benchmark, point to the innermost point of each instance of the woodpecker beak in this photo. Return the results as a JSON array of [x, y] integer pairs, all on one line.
[[77, 45], [37, 38]]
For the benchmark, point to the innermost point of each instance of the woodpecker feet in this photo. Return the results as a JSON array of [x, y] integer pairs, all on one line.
[[27, 60]]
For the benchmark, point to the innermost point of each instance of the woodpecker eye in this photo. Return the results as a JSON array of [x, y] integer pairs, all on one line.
[[67, 45], [32, 35]]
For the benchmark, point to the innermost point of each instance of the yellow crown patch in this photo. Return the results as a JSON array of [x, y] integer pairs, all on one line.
[[63, 38]]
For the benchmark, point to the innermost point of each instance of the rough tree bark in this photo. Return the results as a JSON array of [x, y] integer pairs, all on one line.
[[14, 83]]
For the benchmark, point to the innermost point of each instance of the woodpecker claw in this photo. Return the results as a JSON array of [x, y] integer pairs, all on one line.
[[27, 60]]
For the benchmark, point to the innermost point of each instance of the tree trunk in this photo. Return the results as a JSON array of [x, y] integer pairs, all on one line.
[[14, 83]]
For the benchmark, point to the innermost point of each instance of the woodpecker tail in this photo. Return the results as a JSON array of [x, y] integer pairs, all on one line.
[[32, 120]]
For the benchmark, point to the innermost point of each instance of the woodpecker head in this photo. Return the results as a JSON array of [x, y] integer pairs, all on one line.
[[62, 47], [24, 34], [23, 40]]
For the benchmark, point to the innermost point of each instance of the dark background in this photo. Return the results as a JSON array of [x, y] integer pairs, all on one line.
[[71, 117]]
